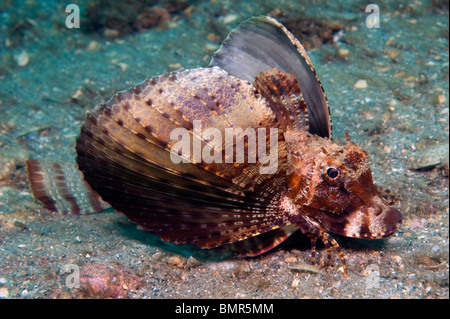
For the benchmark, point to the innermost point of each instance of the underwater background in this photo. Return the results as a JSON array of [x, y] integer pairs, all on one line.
[[387, 86]]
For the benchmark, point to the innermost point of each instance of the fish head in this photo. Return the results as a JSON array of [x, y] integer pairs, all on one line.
[[333, 187]]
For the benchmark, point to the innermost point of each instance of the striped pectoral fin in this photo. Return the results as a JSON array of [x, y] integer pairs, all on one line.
[[61, 188], [257, 245]]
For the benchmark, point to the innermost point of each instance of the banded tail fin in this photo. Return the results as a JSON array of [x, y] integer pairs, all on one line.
[[61, 188]]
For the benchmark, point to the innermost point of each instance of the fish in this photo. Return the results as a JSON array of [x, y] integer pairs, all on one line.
[[233, 157]]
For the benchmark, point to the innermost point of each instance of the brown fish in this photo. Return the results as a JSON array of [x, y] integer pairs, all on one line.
[[236, 156]]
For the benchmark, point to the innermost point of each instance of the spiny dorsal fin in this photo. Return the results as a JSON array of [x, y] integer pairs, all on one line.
[[262, 43], [285, 98]]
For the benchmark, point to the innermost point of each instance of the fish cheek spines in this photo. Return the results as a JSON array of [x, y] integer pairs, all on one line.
[[361, 183]]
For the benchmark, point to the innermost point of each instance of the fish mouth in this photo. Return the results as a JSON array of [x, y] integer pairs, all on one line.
[[376, 221], [372, 222]]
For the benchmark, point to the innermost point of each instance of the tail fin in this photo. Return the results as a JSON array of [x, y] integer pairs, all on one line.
[[61, 188]]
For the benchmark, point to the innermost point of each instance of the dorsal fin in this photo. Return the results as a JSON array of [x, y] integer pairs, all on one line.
[[282, 92], [263, 43]]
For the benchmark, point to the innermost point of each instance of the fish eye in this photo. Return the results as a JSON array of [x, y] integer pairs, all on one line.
[[333, 174]]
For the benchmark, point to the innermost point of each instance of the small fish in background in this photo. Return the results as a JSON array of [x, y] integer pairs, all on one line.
[[260, 78]]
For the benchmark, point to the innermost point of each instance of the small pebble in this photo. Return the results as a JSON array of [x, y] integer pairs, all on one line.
[[192, 262], [213, 37], [398, 261], [295, 283], [399, 74], [110, 33], [211, 47], [157, 256], [393, 103], [435, 248], [411, 79], [230, 18], [290, 259], [383, 69], [368, 115], [177, 261], [360, 84], [77, 94], [392, 54], [123, 66], [343, 52], [390, 41], [22, 58], [4, 293], [92, 46], [303, 267], [441, 99], [175, 66]]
